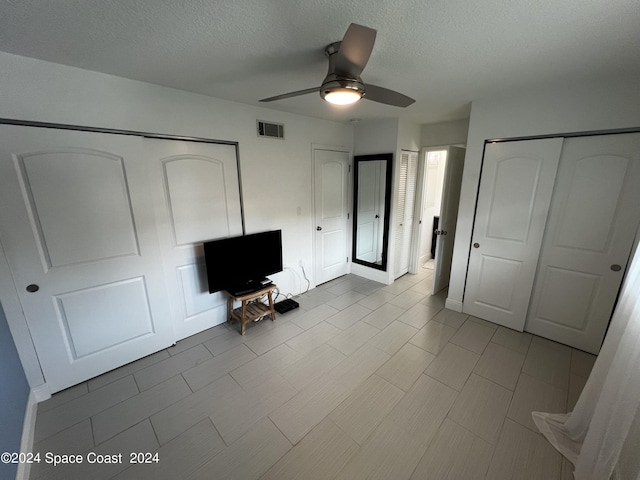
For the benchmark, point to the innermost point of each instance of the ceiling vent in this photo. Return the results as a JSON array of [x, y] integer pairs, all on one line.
[[270, 130]]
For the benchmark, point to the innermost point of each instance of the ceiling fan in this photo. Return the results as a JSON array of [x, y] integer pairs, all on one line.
[[343, 85]]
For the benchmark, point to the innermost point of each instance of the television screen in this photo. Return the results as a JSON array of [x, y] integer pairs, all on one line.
[[240, 263]]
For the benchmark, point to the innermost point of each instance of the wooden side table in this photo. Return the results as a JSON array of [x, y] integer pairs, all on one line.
[[252, 307]]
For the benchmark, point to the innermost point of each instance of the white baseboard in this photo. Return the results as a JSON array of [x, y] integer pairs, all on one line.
[[41, 393], [28, 432], [454, 305]]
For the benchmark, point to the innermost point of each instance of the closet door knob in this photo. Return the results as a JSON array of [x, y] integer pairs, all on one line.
[[476, 245], [33, 288], [615, 267], [318, 228]]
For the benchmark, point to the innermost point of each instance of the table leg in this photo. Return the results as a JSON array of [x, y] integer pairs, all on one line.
[[273, 310]]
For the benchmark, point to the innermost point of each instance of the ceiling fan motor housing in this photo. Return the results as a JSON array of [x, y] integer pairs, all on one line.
[[335, 81]]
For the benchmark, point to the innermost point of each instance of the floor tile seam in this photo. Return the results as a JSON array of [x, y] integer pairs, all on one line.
[[429, 444], [217, 378], [522, 372], [512, 390], [148, 417], [497, 385], [120, 378], [482, 322], [494, 446], [140, 390], [510, 348], [171, 354], [339, 426], [40, 405], [35, 444], [99, 412], [528, 427], [465, 348], [440, 381], [284, 342]]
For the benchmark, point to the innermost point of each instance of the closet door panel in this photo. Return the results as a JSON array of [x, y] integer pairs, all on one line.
[[513, 202], [197, 198], [78, 230], [592, 224]]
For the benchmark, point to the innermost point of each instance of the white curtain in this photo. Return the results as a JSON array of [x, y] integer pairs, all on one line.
[[593, 436]]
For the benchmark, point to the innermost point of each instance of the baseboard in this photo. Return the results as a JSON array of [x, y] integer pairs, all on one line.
[[28, 433], [454, 305], [41, 393]]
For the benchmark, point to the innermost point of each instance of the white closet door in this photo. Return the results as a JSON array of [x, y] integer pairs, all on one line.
[[593, 220], [196, 199], [404, 211], [77, 226], [513, 202]]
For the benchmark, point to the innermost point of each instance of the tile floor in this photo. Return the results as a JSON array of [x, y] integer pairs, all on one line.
[[362, 381]]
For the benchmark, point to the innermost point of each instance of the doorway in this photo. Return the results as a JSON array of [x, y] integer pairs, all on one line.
[[440, 174]]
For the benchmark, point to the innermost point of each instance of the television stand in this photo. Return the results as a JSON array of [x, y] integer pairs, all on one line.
[[252, 308]]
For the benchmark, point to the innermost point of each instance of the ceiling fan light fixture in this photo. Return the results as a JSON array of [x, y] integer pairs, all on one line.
[[341, 96]]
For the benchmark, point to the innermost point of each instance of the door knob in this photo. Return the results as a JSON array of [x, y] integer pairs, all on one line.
[[377, 216], [476, 245], [615, 267], [444, 232], [32, 288], [318, 228]]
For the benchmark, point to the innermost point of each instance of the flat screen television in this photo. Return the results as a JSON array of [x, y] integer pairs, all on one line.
[[239, 264]]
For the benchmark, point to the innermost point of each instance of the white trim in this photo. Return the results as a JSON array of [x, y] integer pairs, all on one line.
[[28, 433], [380, 276], [41, 393], [452, 304]]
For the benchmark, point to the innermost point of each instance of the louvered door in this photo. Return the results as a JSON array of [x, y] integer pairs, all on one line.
[[405, 201]]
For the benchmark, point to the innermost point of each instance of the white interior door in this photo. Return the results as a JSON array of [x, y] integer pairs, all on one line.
[[77, 225], [593, 220], [448, 217], [196, 199], [513, 202], [331, 186], [404, 211]]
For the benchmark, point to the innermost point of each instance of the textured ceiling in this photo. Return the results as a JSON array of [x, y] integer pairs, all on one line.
[[443, 53]]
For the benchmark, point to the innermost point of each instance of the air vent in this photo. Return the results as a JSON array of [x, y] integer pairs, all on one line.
[[270, 130]]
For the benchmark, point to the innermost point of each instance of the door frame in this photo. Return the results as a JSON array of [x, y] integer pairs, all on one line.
[[421, 192], [349, 200], [9, 300]]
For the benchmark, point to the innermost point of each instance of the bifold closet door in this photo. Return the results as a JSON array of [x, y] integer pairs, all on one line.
[[404, 211], [79, 233], [592, 224], [513, 202]]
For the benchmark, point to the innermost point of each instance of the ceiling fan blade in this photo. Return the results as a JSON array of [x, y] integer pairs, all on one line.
[[291, 94], [384, 95], [355, 50]]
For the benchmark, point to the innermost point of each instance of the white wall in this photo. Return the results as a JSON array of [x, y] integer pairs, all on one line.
[[276, 174], [604, 105], [444, 133]]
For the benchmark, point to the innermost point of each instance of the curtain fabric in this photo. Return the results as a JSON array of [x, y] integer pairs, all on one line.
[[593, 435]]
